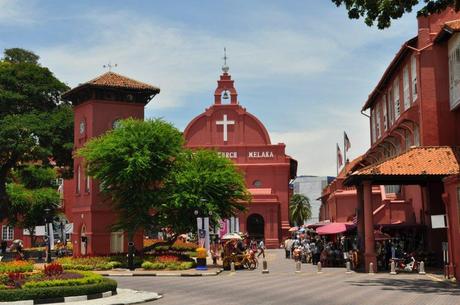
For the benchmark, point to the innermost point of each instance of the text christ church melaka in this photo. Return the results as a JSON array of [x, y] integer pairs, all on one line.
[[241, 137]]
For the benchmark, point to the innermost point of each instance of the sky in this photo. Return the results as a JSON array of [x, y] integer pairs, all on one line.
[[302, 67]]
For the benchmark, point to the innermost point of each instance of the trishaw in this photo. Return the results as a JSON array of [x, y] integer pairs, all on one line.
[[246, 259]]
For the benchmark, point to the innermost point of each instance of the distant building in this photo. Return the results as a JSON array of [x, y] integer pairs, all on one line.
[[312, 186]]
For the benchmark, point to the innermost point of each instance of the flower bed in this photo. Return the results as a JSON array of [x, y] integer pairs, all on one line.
[[16, 266], [169, 262], [51, 282], [89, 263]]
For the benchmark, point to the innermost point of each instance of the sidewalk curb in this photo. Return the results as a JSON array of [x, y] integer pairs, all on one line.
[[84, 297], [110, 274]]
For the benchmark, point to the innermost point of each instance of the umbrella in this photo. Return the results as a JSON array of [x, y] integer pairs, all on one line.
[[294, 229], [231, 236], [335, 228]]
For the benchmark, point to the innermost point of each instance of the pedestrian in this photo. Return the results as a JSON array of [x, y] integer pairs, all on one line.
[[261, 247], [287, 249]]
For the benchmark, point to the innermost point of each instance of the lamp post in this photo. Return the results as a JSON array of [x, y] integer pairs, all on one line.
[[48, 242]]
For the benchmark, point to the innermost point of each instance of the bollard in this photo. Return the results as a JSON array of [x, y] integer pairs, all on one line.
[[392, 267], [264, 267], [371, 268], [298, 266], [318, 265], [232, 267], [348, 265], [422, 268]]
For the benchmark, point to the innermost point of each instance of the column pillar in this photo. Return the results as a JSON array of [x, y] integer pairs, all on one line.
[[369, 241], [360, 217]]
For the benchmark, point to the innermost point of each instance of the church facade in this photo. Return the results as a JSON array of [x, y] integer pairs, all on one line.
[[241, 137]]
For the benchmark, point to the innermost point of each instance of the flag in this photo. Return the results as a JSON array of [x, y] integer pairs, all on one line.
[[346, 141], [339, 156]]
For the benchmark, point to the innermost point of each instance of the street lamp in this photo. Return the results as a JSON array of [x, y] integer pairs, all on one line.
[[48, 242]]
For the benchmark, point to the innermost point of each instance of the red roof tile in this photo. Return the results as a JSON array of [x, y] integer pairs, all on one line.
[[114, 80], [428, 160]]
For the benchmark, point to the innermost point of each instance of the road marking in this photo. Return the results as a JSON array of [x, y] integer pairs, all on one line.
[[434, 278]]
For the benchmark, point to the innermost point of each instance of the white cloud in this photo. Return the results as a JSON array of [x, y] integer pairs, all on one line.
[[16, 12], [184, 62]]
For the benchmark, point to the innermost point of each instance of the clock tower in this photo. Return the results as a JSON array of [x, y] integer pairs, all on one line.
[[99, 105]]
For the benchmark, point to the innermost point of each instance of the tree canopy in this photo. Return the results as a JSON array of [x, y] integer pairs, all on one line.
[[299, 209], [31, 194], [205, 182], [131, 162], [154, 182], [35, 125], [382, 12]]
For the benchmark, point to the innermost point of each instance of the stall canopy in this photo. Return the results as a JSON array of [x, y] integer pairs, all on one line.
[[335, 228]]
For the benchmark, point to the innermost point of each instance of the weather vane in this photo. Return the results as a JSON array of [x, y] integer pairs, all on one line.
[[110, 66], [225, 68]]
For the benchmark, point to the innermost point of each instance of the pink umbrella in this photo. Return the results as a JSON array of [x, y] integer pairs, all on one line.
[[335, 228]]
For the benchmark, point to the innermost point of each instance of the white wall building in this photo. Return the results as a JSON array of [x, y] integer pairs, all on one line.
[[311, 186]]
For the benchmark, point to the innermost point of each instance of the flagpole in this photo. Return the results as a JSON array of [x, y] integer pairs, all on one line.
[[344, 150], [337, 159]]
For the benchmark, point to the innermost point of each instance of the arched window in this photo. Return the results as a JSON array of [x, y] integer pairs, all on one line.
[[86, 183], [78, 184], [257, 183], [416, 136]]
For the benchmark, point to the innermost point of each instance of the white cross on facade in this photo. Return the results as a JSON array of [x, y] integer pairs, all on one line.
[[225, 123]]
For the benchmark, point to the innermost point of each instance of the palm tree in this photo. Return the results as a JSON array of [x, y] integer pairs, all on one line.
[[299, 209]]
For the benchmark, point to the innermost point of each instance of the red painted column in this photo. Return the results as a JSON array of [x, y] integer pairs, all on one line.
[[369, 241], [360, 216]]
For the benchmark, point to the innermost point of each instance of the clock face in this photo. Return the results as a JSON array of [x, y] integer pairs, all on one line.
[[82, 127]]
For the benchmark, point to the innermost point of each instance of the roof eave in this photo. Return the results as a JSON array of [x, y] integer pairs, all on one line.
[[403, 51]]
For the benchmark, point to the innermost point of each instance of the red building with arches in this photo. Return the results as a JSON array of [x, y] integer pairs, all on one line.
[[410, 174], [241, 137]]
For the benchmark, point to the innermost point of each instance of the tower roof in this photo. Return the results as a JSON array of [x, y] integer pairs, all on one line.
[[111, 80], [114, 80]]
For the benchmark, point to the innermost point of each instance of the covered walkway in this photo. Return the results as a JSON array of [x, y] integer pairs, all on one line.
[[423, 166]]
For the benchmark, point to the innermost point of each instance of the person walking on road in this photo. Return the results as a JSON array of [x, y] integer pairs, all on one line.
[[261, 248]]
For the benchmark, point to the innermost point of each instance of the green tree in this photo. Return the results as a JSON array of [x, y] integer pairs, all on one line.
[[202, 181], [299, 209], [30, 196], [383, 11], [131, 162], [35, 125]]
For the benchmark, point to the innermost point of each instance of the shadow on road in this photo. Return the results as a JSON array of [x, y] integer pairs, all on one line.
[[410, 285]]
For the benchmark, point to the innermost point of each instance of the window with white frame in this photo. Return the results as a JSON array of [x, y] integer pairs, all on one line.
[[413, 67], [378, 131], [373, 125], [391, 107], [385, 117], [7, 232], [454, 74], [406, 87], [397, 105]]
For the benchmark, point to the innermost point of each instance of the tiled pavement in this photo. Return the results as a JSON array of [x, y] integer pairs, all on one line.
[[283, 286]]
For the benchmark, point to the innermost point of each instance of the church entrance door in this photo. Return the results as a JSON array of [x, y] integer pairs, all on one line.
[[255, 226]]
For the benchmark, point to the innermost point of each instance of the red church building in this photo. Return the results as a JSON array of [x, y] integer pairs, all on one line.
[[410, 172], [241, 137]]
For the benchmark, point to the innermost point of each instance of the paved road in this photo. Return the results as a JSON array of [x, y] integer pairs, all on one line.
[[283, 286]]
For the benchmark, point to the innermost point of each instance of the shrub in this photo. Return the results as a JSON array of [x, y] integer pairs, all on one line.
[[183, 246], [88, 278], [104, 285]]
